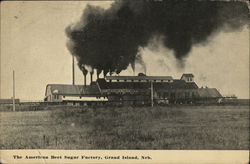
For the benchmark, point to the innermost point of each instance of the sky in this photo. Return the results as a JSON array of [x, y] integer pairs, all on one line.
[[33, 43]]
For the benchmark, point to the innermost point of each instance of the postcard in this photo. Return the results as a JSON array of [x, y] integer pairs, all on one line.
[[124, 81]]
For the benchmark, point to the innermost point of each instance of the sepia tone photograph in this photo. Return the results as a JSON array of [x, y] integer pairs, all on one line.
[[124, 75]]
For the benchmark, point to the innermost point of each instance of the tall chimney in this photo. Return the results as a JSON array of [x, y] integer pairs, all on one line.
[[14, 106], [85, 79], [105, 73], [98, 72], [91, 76], [85, 73], [73, 71]]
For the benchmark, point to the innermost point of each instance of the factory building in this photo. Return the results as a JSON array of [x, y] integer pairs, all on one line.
[[208, 95], [134, 90], [72, 94], [137, 90]]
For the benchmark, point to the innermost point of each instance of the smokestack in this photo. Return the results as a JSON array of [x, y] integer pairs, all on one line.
[[110, 74], [73, 71], [85, 79], [91, 76], [84, 72], [105, 73], [14, 106], [98, 71]]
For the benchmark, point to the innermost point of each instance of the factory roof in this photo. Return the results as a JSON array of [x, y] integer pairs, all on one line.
[[139, 77], [66, 89], [176, 84], [187, 75], [208, 92], [122, 85]]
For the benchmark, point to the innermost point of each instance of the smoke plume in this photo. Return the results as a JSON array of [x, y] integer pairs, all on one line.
[[109, 40]]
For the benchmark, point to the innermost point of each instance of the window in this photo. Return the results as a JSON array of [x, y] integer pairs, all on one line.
[[179, 94], [56, 96], [165, 94], [172, 95], [193, 94]]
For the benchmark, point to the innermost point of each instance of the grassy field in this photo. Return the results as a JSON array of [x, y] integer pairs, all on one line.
[[175, 127]]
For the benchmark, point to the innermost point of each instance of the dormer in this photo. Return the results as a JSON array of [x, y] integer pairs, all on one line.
[[187, 77]]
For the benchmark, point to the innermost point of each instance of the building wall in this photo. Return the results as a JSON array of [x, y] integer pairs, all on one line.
[[128, 99], [9, 101], [187, 79], [142, 80], [137, 98], [51, 97], [176, 93]]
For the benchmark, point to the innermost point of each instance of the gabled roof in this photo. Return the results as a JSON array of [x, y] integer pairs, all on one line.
[[139, 77], [208, 93], [66, 89], [187, 75]]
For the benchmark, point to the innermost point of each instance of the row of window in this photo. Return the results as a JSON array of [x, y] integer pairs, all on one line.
[[56, 96], [142, 80], [189, 79], [176, 94]]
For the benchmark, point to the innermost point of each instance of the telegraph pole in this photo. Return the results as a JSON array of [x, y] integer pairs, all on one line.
[[152, 94], [13, 97], [73, 70]]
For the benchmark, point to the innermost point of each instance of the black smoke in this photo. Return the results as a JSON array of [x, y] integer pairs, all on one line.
[[109, 40]]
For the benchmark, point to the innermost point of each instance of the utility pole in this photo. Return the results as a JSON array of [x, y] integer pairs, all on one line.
[[152, 94], [13, 97], [73, 70]]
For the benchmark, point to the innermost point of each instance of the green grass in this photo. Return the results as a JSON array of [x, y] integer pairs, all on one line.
[[176, 127], [38, 130]]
